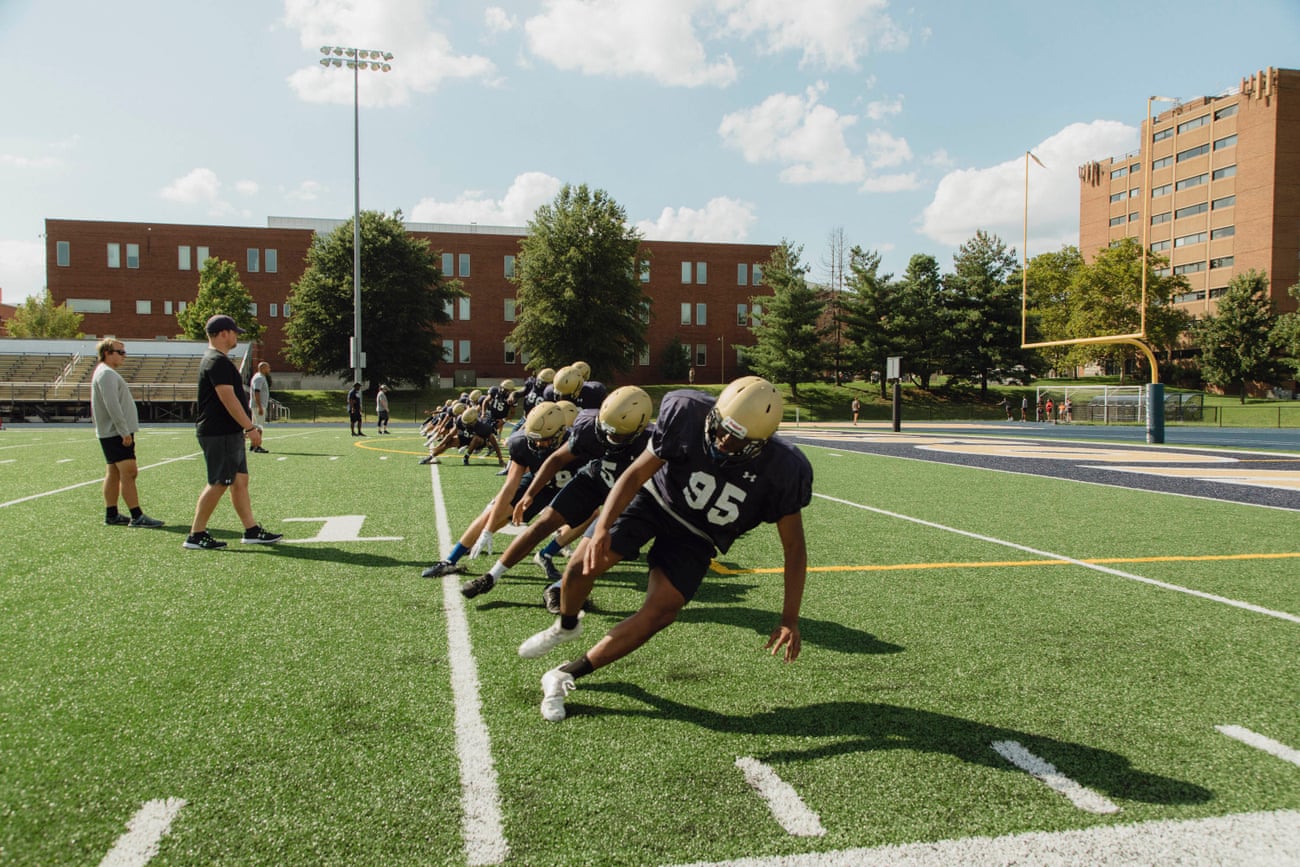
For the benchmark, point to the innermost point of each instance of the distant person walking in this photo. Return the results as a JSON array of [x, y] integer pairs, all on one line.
[[221, 426], [354, 409], [381, 410], [1024, 407], [1048, 407], [259, 399], [116, 422], [856, 406], [1006, 407]]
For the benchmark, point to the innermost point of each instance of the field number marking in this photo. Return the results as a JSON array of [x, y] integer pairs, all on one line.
[[341, 528], [143, 833], [1044, 771], [787, 807]]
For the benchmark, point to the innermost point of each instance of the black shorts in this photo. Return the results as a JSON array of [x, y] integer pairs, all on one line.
[[382, 416], [354, 416], [679, 553], [225, 457], [540, 502], [115, 452], [582, 496]]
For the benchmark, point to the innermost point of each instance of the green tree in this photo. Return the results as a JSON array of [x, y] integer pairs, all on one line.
[[1287, 334], [1047, 288], [677, 360], [39, 316], [983, 312], [403, 299], [220, 291], [1237, 342], [918, 320], [790, 343], [866, 306], [579, 278]]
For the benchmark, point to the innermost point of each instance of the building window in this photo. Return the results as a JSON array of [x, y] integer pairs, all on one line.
[[701, 273], [254, 260], [1193, 181], [1162, 190], [757, 271], [448, 264], [252, 308], [1221, 262], [1119, 172], [701, 355], [509, 267], [1198, 151], [1226, 111], [1226, 142], [115, 255], [686, 272], [510, 309], [1216, 293], [1161, 135], [463, 265], [645, 312], [167, 308], [742, 274], [1133, 217], [1225, 172], [463, 303], [742, 315], [63, 253], [273, 310], [183, 258], [133, 255], [686, 313], [449, 309], [448, 350], [1194, 123], [1161, 163], [1158, 246], [143, 308], [1189, 268], [180, 306], [1119, 197], [644, 359], [1157, 219], [756, 315], [508, 352], [285, 310], [89, 305], [1188, 297], [1135, 192], [1224, 232], [1184, 240], [701, 314], [1118, 221], [271, 261], [464, 352], [202, 257], [1225, 202], [645, 271], [1191, 210]]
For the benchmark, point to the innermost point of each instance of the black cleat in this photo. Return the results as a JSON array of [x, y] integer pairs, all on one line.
[[442, 567], [475, 586]]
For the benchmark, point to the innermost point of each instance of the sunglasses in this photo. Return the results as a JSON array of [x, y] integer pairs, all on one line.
[[118, 351]]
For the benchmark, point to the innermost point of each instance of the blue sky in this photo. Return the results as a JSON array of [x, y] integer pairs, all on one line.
[[902, 124]]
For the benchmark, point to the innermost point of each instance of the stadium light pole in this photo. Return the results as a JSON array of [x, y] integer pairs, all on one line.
[[1145, 152], [356, 59]]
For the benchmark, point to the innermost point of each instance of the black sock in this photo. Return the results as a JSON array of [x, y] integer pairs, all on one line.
[[250, 532], [137, 512], [110, 511], [567, 622], [578, 667]]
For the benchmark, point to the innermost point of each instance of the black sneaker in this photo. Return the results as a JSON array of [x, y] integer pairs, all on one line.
[[202, 542], [548, 563], [255, 535], [144, 521], [442, 567], [551, 599], [475, 586], [118, 520]]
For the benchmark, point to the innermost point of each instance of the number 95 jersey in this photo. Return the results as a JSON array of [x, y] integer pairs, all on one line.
[[722, 502]]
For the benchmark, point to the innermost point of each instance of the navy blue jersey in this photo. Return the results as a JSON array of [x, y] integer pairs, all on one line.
[[590, 396], [721, 503], [531, 459], [497, 408], [587, 446], [481, 427]]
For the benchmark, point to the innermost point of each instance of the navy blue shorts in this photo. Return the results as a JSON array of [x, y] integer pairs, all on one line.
[[679, 553], [115, 452], [583, 495]]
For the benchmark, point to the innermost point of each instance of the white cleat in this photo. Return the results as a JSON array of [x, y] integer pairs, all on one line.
[[556, 685], [548, 639]]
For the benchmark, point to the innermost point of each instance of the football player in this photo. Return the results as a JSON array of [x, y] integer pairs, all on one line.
[[713, 470]]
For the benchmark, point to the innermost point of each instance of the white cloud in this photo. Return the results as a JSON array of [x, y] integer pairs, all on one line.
[[22, 270], [246, 188], [627, 38], [23, 162], [890, 183], [307, 191], [827, 33], [423, 58], [199, 186], [993, 198], [722, 220], [882, 108], [799, 132], [886, 150], [527, 193], [499, 20]]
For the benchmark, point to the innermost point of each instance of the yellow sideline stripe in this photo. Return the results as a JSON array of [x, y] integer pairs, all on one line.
[[894, 567]]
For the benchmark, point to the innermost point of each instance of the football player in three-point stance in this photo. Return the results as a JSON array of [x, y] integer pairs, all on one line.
[[715, 470]]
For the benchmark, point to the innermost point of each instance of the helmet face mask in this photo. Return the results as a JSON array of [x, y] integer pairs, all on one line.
[[745, 417]]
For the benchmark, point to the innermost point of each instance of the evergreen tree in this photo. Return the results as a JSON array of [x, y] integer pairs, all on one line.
[[1237, 342], [579, 278], [39, 316], [1287, 334], [917, 320], [220, 291], [866, 306], [677, 361], [404, 297], [791, 344]]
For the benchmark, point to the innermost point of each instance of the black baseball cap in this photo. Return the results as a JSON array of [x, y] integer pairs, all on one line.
[[221, 322]]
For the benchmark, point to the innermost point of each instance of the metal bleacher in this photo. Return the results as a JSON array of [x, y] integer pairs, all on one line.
[[56, 386]]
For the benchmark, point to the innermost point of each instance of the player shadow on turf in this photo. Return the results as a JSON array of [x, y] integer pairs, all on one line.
[[825, 634], [324, 554], [854, 726]]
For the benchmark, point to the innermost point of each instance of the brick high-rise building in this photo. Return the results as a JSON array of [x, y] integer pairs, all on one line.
[[1215, 184], [131, 279]]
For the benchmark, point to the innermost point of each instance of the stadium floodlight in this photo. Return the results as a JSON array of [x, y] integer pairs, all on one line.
[[356, 63]]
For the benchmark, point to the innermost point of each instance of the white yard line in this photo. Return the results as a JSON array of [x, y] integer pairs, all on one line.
[[1243, 840], [1259, 742], [1044, 771], [789, 810], [1096, 567], [480, 799], [146, 829]]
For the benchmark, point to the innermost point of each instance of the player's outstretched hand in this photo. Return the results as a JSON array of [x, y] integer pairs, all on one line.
[[787, 637]]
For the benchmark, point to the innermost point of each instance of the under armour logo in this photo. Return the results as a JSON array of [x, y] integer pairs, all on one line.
[[749, 477]]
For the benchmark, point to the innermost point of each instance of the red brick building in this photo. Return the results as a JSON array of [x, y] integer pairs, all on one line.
[[131, 279], [1214, 188]]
